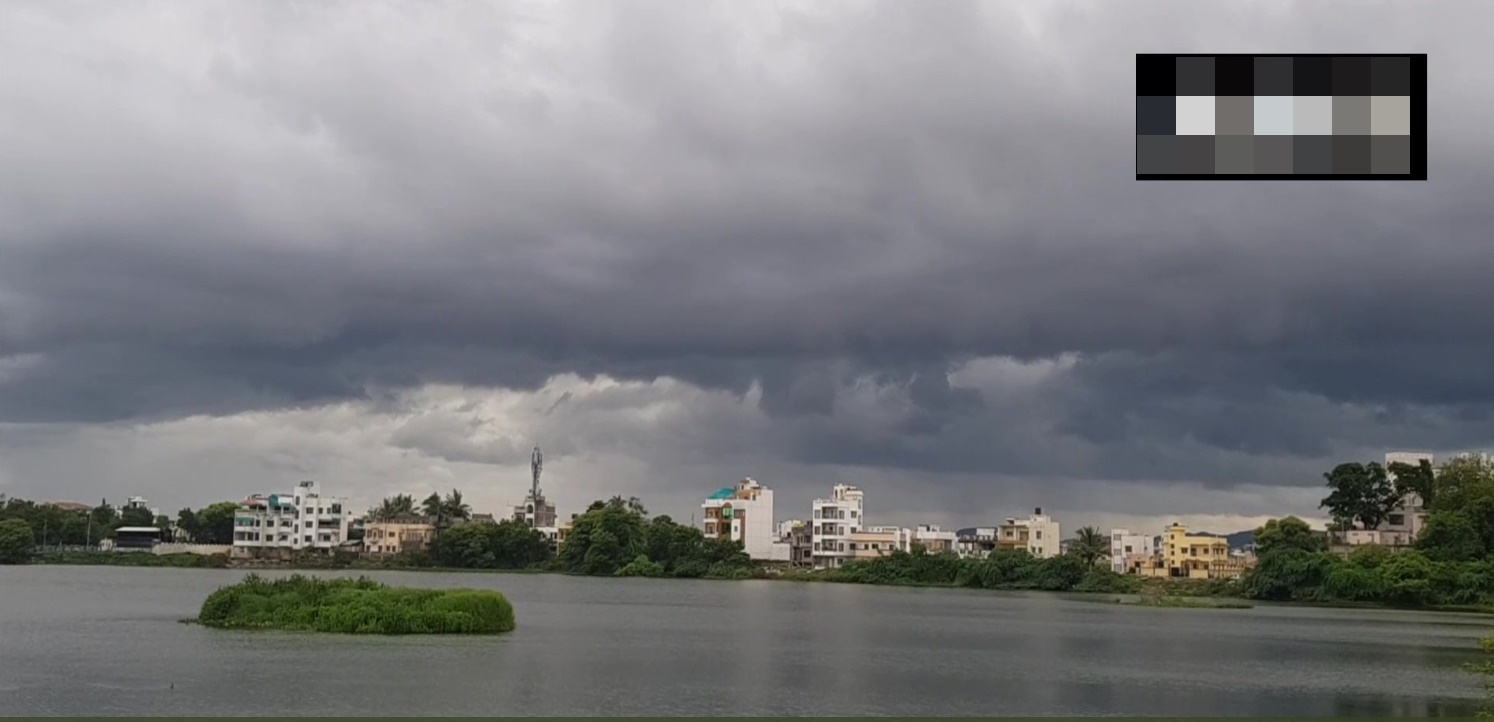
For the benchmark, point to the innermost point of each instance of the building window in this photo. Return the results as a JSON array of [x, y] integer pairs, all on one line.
[[1397, 519], [1040, 534], [308, 524], [308, 538]]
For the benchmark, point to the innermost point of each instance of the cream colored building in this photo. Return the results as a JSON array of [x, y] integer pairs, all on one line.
[[1037, 535], [877, 541], [399, 536]]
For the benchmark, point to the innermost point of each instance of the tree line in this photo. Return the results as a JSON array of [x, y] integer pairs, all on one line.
[[1450, 563], [615, 537]]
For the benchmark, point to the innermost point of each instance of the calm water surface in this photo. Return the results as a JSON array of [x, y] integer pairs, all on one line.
[[106, 641]]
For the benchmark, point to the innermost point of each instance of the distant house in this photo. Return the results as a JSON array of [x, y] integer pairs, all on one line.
[[402, 535], [1129, 552], [1185, 556]]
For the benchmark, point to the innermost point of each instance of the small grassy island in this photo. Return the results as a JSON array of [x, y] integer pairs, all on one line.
[[354, 606]]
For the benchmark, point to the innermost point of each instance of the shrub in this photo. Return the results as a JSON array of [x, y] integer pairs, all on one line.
[[354, 606]]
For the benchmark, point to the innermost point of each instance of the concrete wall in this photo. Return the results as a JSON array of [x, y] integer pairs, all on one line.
[[204, 549]]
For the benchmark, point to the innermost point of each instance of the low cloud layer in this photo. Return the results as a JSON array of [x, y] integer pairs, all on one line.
[[898, 245]]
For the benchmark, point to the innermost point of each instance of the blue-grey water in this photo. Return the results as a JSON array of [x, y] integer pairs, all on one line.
[[107, 641]]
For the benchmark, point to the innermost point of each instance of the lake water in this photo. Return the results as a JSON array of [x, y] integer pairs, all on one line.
[[107, 641]]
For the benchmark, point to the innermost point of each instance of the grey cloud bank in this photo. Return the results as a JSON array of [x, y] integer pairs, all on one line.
[[869, 240]]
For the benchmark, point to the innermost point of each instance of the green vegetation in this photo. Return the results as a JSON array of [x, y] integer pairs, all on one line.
[[16, 541], [1000, 570], [506, 545], [1090, 544], [1452, 564], [615, 538], [212, 524], [354, 606], [53, 526]]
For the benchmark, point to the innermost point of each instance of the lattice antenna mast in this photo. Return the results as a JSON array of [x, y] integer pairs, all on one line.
[[536, 463]]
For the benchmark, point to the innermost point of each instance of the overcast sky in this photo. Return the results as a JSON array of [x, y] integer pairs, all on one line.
[[392, 246]]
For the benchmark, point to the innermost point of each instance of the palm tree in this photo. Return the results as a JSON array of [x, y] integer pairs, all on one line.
[[632, 503], [393, 507], [1090, 545], [454, 507], [433, 508]]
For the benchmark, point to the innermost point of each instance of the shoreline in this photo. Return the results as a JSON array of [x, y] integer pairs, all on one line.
[[762, 573]]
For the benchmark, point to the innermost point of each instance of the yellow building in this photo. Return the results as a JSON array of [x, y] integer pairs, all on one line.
[[387, 538], [1196, 557]]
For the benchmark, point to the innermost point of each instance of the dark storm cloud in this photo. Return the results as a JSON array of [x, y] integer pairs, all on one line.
[[259, 208]]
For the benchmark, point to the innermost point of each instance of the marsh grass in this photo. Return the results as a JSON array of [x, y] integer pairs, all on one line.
[[354, 606]]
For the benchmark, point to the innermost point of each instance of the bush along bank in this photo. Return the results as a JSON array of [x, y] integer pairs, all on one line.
[[354, 606]]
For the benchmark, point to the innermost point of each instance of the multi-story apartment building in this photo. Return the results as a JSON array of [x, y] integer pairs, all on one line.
[[797, 534], [281, 524], [833, 522], [1130, 551], [977, 542], [744, 514], [407, 535], [1037, 535], [933, 539], [1195, 557]]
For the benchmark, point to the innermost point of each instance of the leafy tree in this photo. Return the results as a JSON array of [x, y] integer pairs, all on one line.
[[517, 545], [1419, 479], [641, 566], [215, 523], [163, 523], [1408, 578], [470, 546], [104, 518], [1461, 482], [1289, 573], [631, 503], [1090, 545], [16, 541], [1360, 492], [137, 517], [188, 525], [1287, 533], [1450, 537], [603, 539]]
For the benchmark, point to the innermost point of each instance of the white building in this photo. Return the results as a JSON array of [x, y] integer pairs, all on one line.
[[1038, 535], [834, 521], [1405, 521], [744, 513], [280, 524], [934, 540], [138, 502], [1126, 547]]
